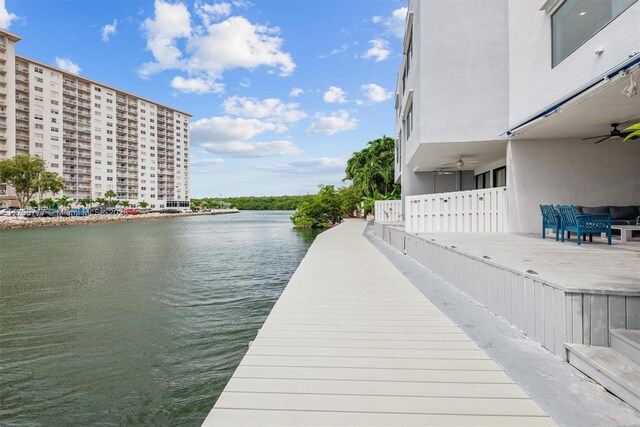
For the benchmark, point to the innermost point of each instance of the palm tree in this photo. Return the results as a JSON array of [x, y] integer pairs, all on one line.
[[86, 201], [101, 201], [64, 201], [48, 202], [48, 182], [143, 204], [110, 194], [124, 203]]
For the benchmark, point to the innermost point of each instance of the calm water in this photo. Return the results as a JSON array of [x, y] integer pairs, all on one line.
[[135, 323]]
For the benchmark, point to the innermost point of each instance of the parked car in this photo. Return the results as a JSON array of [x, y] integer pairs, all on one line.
[[96, 210], [131, 211], [78, 212], [27, 213], [47, 213], [169, 211]]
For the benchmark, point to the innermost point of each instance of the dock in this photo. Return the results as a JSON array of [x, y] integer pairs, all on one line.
[[352, 342]]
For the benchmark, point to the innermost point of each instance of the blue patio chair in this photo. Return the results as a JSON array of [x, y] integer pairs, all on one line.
[[550, 220], [584, 224]]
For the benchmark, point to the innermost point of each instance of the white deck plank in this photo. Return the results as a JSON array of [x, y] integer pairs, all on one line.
[[267, 385], [352, 342], [234, 417]]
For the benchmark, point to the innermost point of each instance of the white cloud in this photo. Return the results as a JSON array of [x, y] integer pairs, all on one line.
[[205, 165], [252, 149], [6, 17], [237, 43], [206, 162], [339, 121], [336, 51], [171, 22], [375, 93], [296, 92], [67, 65], [395, 23], [271, 109], [208, 49], [196, 85], [315, 166], [212, 12], [228, 129], [379, 50], [108, 30], [334, 95]]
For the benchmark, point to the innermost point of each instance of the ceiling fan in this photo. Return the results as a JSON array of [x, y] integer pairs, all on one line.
[[460, 164], [441, 172], [615, 133]]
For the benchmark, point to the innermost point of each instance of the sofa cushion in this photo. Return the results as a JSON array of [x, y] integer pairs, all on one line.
[[599, 210], [623, 222], [623, 212]]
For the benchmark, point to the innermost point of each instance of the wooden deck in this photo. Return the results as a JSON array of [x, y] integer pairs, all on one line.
[[352, 342]]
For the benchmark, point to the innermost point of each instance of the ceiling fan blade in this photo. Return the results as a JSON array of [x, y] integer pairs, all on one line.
[[603, 139], [447, 165], [594, 137]]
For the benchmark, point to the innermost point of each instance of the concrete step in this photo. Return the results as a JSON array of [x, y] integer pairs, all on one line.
[[612, 370], [626, 342]]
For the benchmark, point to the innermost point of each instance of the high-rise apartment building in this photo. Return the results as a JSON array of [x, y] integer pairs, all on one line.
[[96, 137]]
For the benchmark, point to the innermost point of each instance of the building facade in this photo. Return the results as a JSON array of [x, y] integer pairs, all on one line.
[[96, 137], [501, 93]]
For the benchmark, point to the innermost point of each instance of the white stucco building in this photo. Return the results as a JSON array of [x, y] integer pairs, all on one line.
[[97, 137], [511, 88]]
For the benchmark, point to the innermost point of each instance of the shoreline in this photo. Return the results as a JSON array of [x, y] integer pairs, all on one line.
[[15, 223]]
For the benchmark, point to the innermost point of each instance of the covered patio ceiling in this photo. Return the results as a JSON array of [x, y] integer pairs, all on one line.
[[589, 114], [433, 156]]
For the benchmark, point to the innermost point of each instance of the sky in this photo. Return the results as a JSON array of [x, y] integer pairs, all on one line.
[[282, 92]]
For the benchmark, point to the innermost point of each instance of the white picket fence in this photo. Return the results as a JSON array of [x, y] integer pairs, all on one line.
[[483, 210], [388, 210]]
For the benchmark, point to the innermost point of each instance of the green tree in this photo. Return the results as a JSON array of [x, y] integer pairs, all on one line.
[[350, 201], [47, 181], [110, 195], [321, 211], [371, 170], [124, 203], [143, 204], [48, 203], [64, 201], [86, 201], [20, 172], [101, 201], [33, 204]]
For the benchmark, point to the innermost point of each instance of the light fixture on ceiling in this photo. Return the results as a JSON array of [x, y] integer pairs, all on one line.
[[583, 13]]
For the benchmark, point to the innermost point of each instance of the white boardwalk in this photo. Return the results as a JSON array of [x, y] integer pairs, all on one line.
[[352, 342]]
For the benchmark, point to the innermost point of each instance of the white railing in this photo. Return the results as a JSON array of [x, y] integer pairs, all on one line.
[[483, 210], [388, 211]]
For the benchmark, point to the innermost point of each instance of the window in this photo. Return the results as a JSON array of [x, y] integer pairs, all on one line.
[[500, 177], [408, 122], [37, 70], [483, 180], [55, 165], [576, 21]]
